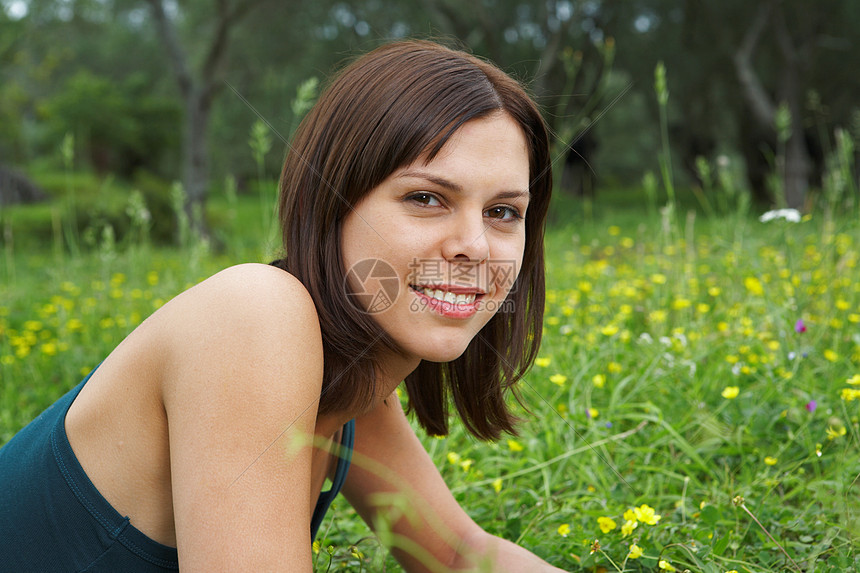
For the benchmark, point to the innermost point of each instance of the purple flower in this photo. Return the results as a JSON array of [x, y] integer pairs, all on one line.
[[799, 326], [811, 405]]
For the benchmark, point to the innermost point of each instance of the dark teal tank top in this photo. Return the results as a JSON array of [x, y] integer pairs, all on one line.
[[52, 517]]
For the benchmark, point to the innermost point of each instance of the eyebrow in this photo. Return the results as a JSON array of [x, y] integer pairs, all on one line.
[[452, 186]]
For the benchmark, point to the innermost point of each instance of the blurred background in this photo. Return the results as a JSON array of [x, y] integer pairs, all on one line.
[[102, 98]]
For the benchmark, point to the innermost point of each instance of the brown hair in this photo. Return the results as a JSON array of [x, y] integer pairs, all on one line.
[[390, 107]]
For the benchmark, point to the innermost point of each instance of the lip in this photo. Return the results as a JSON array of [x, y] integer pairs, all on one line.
[[450, 309]]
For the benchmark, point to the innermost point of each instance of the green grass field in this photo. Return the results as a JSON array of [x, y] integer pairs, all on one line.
[[694, 406]]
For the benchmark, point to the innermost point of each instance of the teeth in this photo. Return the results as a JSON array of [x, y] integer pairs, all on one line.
[[448, 296]]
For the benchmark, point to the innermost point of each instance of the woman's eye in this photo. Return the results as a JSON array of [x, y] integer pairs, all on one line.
[[424, 199], [503, 213]]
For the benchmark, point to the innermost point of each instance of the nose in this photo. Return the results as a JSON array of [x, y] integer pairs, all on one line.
[[467, 239]]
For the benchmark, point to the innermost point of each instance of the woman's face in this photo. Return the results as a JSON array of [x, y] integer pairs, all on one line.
[[432, 252]]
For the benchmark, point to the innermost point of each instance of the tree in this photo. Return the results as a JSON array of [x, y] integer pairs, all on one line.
[[198, 91], [787, 122]]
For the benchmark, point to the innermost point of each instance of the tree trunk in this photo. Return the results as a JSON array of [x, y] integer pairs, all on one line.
[[795, 162], [197, 95], [796, 175], [195, 159]]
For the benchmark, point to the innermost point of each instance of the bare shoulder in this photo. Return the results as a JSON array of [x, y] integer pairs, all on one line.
[[241, 384], [254, 286], [258, 302]]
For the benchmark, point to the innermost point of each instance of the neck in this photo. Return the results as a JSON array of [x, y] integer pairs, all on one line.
[[393, 369]]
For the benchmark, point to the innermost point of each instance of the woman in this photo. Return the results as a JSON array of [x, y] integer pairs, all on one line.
[[412, 202]]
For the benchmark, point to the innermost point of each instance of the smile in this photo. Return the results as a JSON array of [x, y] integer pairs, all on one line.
[[453, 302], [447, 295]]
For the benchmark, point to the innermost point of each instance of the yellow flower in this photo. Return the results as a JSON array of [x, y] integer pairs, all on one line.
[[599, 380], [730, 392], [770, 460], [606, 524], [646, 514], [515, 446], [657, 316], [609, 330], [850, 394], [593, 413], [833, 433], [615, 368], [635, 552], [754, 286], [543, 362], [658, 279], [630, 515], [831, 355], [453, 457], [681, 303], [854, 380], [628, 527], [559, 379], [497, 485], [665, 566], [564, 529], [614, 230]]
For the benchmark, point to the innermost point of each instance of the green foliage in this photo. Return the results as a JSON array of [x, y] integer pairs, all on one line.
[[97, 203], [119, 126], [632, 401]]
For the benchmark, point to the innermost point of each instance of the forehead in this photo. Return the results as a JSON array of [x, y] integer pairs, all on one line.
[[492, 147]]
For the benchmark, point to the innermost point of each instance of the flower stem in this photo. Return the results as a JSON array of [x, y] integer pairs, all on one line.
[[739, 502]]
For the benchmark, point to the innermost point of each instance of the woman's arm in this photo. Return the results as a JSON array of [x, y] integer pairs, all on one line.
[[396, 488], [242, 377]]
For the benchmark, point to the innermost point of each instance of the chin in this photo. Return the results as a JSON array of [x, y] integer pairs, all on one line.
[[441, 353]]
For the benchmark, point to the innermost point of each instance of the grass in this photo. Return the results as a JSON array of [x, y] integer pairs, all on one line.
[[674, 374], [699, 367]]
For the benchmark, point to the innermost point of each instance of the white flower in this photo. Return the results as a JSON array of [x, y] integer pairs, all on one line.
[[790, 215]]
